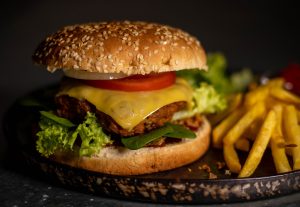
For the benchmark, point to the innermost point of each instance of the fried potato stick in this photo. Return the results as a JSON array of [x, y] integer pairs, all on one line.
[[284, 95], [233, 103], [258, 95], [231, 158], [242, 144], [220, 131], [259, 146], [292, 130], [278, 153], [239, 128]]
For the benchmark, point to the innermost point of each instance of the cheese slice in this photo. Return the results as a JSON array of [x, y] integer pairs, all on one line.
[[128, 109]]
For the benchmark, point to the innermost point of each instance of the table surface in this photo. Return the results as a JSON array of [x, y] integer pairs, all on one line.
[[250, 33], [18, 189]]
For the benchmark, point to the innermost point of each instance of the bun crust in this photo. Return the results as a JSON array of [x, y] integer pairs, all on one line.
[[122, 161], [121, 47]]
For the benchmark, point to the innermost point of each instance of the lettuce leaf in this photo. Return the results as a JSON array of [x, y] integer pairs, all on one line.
[[217, 76], [205, 100], [241, 79], [52, 137], [55, 135], [93, 139], [208, 100]]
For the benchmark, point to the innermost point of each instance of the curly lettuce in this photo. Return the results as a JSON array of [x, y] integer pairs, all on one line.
[[52, 136], [55, 134], [205, 100], [217, 76], [208, 100], [93, 139]]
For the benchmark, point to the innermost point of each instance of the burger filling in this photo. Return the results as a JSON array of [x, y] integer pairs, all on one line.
[[76, 110], [134, 112]]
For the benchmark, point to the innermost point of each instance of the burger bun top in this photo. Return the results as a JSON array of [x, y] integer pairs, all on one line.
[[120, 47]]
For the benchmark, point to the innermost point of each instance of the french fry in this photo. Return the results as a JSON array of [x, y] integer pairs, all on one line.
[[284, 95], [279, 130], [258, 95], [292, 131], [277, 82], [233, 102], [252, 131], [242, 144], [237, 130], [288, 150], [220, 131], [231, 158], [259, 146], [278, 153]]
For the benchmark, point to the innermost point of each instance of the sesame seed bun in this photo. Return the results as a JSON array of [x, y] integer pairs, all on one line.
[[120, 47], [122, 161]]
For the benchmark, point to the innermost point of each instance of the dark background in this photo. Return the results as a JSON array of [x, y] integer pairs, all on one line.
[[263, 35]]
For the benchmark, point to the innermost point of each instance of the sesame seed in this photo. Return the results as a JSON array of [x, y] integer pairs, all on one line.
[[88, 47]]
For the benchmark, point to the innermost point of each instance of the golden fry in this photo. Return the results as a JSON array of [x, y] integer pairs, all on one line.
[[235, 133], [231, 158], [277, 82], [258, 95], [220, 131], [284, 95], [242, 144], [292, 130], [279, 130], [233, 103], [259, 146], [278, 153], [252, 131]]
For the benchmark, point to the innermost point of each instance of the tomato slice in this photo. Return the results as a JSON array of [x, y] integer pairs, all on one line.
[[291, 75], [136, 82]]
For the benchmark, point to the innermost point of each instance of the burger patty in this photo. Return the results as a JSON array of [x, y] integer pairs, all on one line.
[[75, 110]]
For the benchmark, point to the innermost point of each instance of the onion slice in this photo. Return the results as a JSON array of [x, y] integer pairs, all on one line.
[[85, 75]]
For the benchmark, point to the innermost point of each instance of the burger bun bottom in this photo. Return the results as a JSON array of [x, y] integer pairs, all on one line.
[[122, 161]]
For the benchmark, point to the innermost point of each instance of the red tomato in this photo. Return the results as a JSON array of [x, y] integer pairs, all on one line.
[[291, 74], [136, 82]]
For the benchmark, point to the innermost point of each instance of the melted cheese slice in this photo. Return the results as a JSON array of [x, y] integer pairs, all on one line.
[[128, 109]]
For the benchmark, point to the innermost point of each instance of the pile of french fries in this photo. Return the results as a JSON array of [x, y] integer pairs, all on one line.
[[269, 116]]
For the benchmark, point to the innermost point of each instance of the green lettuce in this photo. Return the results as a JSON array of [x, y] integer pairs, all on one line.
[[52, 136], [241, 79], [56, 134], [93, 139], [208, 100], [217, 75], [205, 100]]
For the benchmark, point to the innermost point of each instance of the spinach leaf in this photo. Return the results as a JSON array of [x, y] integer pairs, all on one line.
[[59, 120], [180, 132], [168, 130], [139, 141]]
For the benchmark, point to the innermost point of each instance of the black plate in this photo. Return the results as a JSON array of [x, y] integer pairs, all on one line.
[[188, 184]]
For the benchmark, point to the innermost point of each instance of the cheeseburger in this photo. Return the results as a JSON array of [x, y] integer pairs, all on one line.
[[122, 107]]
